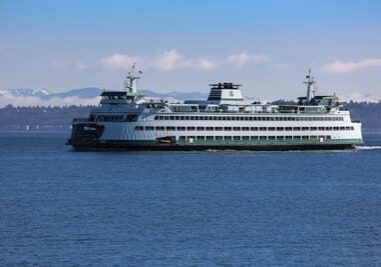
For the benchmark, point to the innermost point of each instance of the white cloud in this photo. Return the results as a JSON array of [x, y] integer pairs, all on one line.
[[118, 61], [172, 60], [244, 57], [169, 60], [347, 67], [81, 66], [203, 64]]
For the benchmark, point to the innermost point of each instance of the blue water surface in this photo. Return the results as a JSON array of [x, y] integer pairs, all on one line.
[[63, 208]]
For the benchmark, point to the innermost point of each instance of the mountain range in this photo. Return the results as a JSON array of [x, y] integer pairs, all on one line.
[[92, 92], [89, 96]]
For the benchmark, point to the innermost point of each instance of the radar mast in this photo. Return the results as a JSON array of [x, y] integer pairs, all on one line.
[[130, 84], [309, 82]]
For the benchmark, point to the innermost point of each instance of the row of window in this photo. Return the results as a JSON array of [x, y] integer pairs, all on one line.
[[128, 118], [245, 138], [250, 118], [245, 129]]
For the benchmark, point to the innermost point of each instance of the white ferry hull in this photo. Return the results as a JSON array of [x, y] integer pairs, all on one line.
[[223, 121]]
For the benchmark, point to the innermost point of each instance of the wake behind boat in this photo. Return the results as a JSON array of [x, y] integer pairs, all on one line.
[[223, 121]]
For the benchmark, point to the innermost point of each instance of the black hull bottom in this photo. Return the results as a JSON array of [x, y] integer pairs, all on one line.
[[175, 147]]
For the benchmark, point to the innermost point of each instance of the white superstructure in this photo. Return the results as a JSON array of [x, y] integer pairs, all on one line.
[[223, 121]]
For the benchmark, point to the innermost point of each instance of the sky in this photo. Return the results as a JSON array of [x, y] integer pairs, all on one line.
[[266, 45]]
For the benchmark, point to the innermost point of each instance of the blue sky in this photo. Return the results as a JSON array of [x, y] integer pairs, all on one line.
[[185, 45]]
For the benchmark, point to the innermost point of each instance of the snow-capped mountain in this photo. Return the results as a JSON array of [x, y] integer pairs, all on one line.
[[24, 92], [92, 92], [82, 96]]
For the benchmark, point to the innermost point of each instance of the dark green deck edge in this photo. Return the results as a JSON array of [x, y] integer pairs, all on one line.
[[256, 145]]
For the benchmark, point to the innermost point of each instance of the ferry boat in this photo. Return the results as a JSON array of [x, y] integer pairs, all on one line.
[[124, 120]]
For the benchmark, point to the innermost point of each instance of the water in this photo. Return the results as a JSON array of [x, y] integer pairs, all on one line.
[[64, 208]]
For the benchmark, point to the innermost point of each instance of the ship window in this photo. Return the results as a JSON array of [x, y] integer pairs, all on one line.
[[245, 137], [209, 128], [263, 138], [227, 128], [304, 128], [228, 118], [131, 117], [297, 137], [271, 128], [328, 137], [227, 137], [237, 138], [156, 118], [313, 128], [321, 128], [200, 128], [288, 137], [305, 137], [296, 128], [149, 128], [288, 128], [271, 137], [139, 128], [328, 128], [191, 128], [182, 138], [313, 137], [245, 129], [209, 138], [171, 128], [219, 137], [236, 128], [191, 118], [342, 128], [159, 128], [280, 138], [181, 128], [254, 137], [254, 128], [335, 128], [255, 118], [218, 128], [92, 117], [200, 137], [262, 128]]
